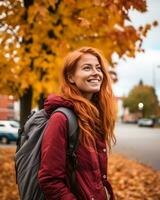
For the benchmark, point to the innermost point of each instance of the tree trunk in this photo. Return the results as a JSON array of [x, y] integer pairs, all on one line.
[[41, 101], [25, 105], [28, 3]]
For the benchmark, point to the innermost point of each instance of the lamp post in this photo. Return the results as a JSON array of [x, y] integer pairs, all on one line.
[[140, 108]]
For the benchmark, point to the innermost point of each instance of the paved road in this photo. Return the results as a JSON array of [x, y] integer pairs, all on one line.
[[141, 144]]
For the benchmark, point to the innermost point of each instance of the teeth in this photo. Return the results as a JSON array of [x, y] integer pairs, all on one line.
[[94, 81]]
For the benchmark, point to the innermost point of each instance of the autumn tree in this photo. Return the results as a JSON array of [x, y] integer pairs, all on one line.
[[142, 94], [36, 34]]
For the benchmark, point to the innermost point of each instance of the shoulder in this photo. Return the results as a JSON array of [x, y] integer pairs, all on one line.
[[61, 121], [58, 118], [56, 128]]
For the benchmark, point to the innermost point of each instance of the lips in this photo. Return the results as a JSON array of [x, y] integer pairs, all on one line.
[[93, 80]]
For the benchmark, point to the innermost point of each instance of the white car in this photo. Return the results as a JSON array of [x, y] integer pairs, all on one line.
[[8, 131], [145, 122]]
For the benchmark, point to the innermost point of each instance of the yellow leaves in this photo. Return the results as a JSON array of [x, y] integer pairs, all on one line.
[[50, 82], [8, 9], [45, 64], [51, 2], [83, 22], [97, 2], [52, 28], [37, 13], [114, 16], [85, 5], [70, 2], [67, 9]]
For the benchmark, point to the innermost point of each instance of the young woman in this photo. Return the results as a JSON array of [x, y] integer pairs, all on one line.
[[86, 89]]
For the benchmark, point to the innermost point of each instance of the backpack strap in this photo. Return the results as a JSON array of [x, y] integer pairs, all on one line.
[[72, 142]]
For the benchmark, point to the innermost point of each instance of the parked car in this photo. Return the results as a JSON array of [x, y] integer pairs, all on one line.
[[146, 122], [8, 131]]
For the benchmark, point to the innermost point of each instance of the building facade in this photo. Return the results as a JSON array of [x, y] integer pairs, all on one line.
[[6, 107]]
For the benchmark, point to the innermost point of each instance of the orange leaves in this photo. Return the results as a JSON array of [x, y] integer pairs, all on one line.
[[50, 2], [133, 181], [155, 23], [139, 5], [8, 188], [102, 3], [50, 28], [83, 22], [70, 2], [130, 179], [37, 13], [144, 30]]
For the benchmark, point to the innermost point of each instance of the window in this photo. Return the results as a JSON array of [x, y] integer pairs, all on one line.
[[2, 125]]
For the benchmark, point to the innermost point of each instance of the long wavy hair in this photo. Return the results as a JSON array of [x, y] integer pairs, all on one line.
[[95, 116]]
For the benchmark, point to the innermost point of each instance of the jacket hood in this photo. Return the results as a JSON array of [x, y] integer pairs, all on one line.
[[53, 101]]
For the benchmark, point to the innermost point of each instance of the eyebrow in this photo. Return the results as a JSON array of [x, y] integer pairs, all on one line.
[[91, 64]]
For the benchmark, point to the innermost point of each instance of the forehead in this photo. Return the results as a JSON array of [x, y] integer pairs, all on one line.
[[88, 58]]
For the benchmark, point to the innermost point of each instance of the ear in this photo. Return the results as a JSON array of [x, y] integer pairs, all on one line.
[[70, 79]]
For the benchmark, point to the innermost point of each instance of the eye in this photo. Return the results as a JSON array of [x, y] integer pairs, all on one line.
[[99, 68], [86, 67]]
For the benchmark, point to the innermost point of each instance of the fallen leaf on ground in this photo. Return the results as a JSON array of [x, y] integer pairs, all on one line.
[[130, 179]]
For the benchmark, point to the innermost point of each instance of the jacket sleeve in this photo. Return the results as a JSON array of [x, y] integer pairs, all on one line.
[[52, 175]]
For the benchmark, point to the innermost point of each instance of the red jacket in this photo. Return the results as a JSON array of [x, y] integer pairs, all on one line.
[[91, 174]]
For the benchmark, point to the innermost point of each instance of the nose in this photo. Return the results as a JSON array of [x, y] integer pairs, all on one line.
[[95, 71]]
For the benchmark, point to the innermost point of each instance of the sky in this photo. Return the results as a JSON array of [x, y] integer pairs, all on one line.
[[145, 66]]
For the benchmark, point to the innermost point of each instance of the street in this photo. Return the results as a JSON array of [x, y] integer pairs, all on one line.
[[137, 143]]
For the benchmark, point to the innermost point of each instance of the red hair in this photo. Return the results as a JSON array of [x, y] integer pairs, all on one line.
[[99, 114]]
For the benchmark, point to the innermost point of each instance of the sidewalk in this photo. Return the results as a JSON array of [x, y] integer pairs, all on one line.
[[130, 180]]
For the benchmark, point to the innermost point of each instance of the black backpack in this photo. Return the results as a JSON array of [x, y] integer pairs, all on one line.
[[27, 158]]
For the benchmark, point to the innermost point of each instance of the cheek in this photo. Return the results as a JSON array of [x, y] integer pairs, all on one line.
[[101, 75], [81, 77], [80, 81]]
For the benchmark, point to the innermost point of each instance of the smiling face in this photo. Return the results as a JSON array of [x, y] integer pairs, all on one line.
[[88, 75]]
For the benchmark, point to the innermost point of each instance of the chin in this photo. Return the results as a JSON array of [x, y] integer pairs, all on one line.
[[97, 89], [94, 91]]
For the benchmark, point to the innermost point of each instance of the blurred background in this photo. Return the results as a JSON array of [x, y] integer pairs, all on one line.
[[35, 35]]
